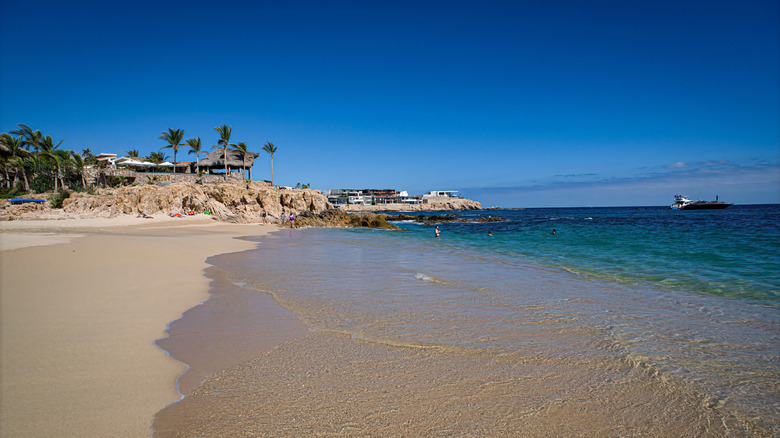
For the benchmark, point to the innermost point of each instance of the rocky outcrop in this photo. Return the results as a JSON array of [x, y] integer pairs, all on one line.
[[426, 220], [489, 219], [337, 218], [26, 211], [441, 218], [238, 202]]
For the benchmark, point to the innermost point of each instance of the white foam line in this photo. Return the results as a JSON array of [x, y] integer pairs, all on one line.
[[186, 368]]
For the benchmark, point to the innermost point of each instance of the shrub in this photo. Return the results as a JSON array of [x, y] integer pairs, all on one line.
[[8, 193], [59, 197]]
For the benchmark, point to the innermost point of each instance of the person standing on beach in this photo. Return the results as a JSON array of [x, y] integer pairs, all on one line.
[[292, 220], [281, 220], [265, 220]]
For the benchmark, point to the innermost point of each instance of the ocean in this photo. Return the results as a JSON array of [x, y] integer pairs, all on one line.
[[625, 321]]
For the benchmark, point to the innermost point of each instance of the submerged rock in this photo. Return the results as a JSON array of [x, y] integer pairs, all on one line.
[[441, 218], [489, 219], [338, 218]]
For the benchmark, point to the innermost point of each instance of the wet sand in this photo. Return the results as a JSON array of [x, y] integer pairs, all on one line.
[[81, 304], [325, 384], [333, 383]]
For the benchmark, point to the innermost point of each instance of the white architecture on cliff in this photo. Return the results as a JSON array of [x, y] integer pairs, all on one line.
[[441, 194], [385, 196]]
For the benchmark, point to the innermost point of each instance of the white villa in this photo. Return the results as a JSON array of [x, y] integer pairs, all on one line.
[[384, 196]]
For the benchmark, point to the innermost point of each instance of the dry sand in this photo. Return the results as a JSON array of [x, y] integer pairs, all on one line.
[[81, 304]]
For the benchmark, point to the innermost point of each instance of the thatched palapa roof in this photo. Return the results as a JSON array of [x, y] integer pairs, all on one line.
[[235, 159]]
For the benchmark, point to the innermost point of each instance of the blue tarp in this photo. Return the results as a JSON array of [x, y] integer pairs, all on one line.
[[26, 200]]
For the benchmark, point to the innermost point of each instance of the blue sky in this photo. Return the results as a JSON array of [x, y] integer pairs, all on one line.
[[516, 103]]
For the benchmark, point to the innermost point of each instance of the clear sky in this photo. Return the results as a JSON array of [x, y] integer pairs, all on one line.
[[516, 103]]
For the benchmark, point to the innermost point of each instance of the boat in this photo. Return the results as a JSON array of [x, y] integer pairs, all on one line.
[[683, 203]]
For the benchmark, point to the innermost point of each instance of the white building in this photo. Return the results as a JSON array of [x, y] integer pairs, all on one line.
[[441, 194]]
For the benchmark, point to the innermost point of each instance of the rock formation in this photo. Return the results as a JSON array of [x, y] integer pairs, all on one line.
[[231, 201], [337, 218], [237, 202], [441, 218]]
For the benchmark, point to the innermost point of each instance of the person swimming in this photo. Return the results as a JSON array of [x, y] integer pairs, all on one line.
[[437, 231], [554, 232]]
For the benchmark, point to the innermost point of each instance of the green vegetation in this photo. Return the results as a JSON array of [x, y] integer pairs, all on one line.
[[59, 198], [174, 138], [157, 157], [224, 142], [195, 145], [271, 149], [31, 161], [8, 193], [241, 146]]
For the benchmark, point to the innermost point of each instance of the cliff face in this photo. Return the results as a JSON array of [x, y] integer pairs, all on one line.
[[227, 201]]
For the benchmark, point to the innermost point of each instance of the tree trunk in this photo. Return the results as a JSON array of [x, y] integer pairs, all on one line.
[[26, 183], [225, 158], [174, 161], [272, 170]]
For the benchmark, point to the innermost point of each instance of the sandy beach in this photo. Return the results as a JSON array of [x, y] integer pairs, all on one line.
[[82, 302]]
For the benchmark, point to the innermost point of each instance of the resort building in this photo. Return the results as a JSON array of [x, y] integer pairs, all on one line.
[[112, 170], [384, 196], [441, 194]]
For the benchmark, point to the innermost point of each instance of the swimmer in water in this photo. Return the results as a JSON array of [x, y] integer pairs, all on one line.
[[437, 231]]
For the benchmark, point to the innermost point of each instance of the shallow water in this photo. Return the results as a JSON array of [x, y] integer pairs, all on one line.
[[623, 305]]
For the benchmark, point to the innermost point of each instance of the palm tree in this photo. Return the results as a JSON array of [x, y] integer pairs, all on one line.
[[30, 138], [173, 137], [195, 145], [241, 146], [16, 159], [224, 141], [18, 164], [88, 157], [133, 153], [49, 151], [7, 163], [271, 149], [80, 164], [157, 157]]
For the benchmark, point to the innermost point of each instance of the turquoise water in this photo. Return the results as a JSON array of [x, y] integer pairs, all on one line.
[[691, 297], [733, 252]]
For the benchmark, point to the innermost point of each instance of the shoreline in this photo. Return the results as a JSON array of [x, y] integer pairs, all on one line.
[[83, 302], [231, 326], [338, 380]]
